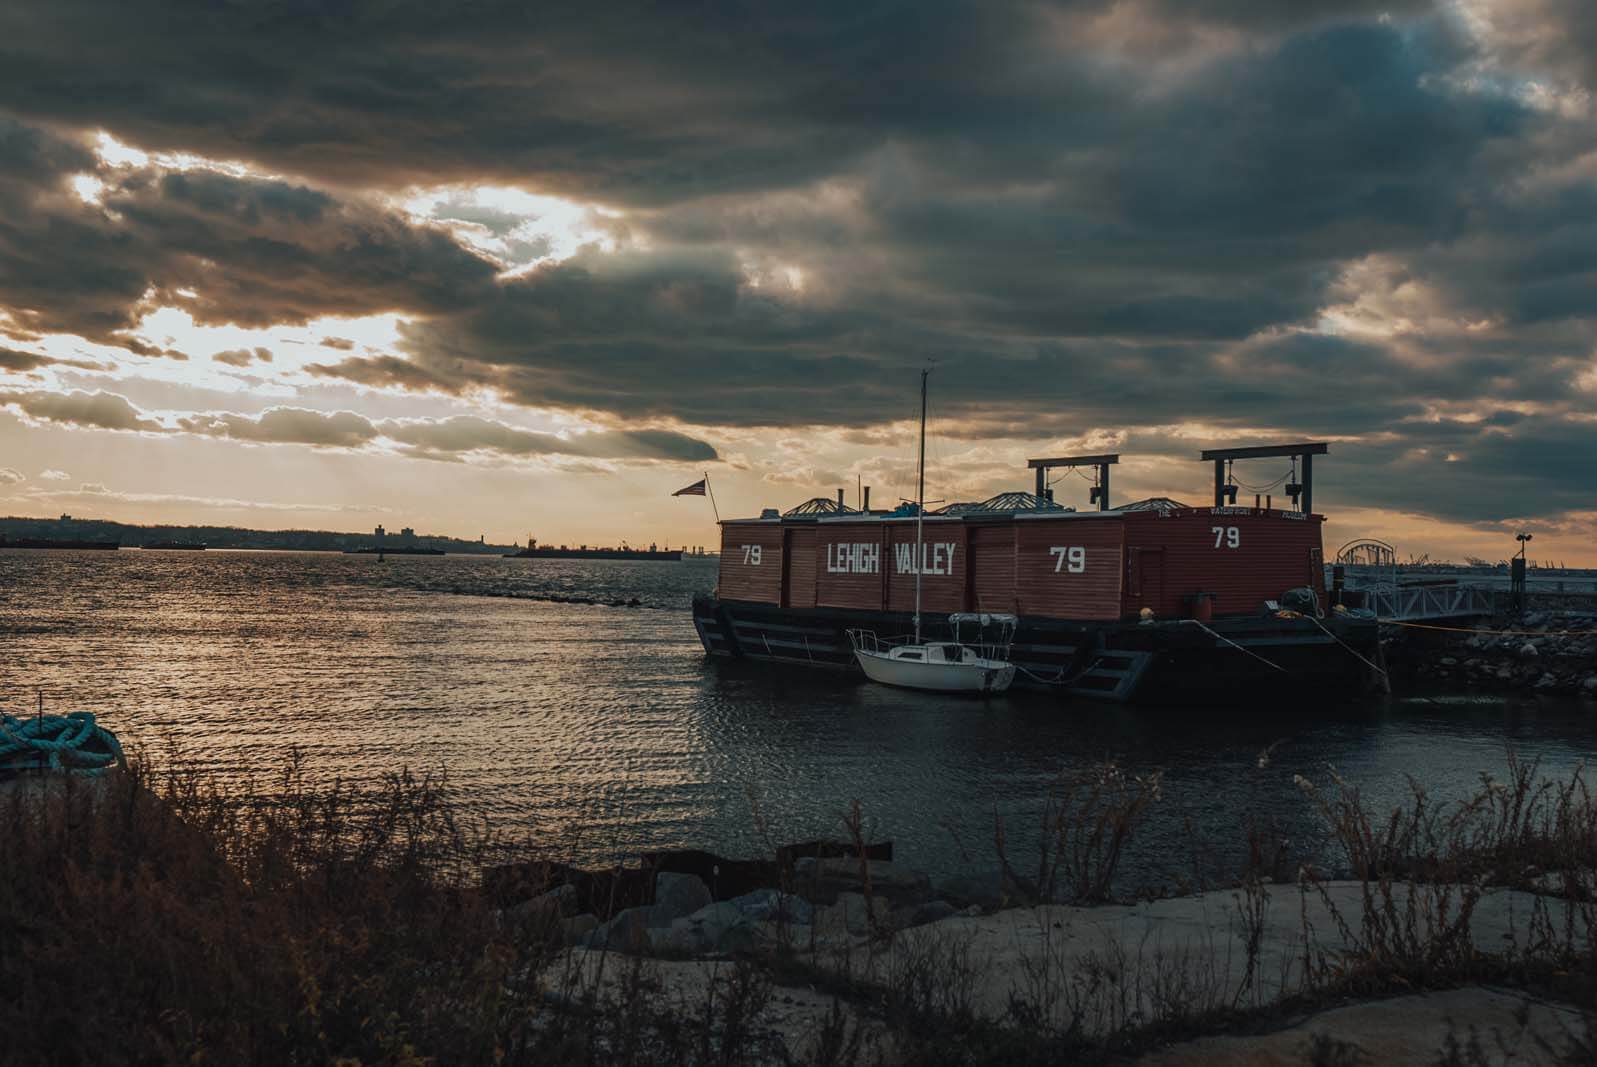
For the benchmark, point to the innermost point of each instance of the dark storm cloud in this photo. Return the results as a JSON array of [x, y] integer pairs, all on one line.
[[386, 372], [441, 439], [12, 360], [629, 101], [1554, 39], [332, 429], [252, 251], [36, 157], [448, 438], [1269, 14], [651, 334], [98, 410], [465, 433], [243, 357], [1507, 466], [632, 100]]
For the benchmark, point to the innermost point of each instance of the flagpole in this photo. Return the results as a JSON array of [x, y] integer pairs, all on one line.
[[707, 489]]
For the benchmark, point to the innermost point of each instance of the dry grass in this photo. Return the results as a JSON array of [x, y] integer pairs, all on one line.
[[1088, 818], [157, 917], [153, 917]]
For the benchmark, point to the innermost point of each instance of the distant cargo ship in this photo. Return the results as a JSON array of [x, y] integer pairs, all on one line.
[[187, 546], [536, 551], [45, 542]]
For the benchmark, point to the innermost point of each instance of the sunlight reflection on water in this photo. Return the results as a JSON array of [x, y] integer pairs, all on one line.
[[608, 726]]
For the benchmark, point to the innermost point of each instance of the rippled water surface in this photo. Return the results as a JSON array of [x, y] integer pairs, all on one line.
[[609, 725]]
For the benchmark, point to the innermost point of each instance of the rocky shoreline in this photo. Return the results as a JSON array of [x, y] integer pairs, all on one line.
[[1182, 980], [1554, 653]]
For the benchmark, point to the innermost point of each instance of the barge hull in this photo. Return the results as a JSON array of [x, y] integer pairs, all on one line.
[[1234, 660]]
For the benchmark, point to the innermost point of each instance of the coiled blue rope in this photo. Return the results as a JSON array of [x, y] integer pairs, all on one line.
[[70, 742]]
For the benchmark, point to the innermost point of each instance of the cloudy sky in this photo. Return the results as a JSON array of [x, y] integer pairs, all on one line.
[[499, 267]]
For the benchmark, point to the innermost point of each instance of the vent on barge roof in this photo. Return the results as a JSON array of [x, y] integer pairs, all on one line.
[[820, 505], [1153, 503], [1004, 502]]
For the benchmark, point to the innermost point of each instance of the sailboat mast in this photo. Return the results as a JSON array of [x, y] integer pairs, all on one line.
[[920, 502]]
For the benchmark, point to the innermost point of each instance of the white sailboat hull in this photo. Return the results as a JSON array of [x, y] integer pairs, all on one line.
[[978, 676]]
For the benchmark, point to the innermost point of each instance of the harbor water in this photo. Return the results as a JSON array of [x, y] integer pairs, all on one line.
[[606, 731]]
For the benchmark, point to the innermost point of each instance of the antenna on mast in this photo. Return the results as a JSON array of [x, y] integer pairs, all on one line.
[[920, 500]]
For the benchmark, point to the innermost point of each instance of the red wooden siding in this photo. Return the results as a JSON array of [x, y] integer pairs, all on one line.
[[851, 561], [1272, 554], [992, 567], [944, 544], [799, 558], [741, 577], [1044, 581]]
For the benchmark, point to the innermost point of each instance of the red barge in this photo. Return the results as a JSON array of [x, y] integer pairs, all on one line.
[[1152, 601]]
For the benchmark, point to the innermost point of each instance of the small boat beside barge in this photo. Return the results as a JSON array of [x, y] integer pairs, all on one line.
[[937, 667], [1149, 602]]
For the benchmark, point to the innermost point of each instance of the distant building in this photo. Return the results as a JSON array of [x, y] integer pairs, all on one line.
[[408, 533], [380, 531]]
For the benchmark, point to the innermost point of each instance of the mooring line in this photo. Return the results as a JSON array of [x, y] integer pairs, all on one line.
[[1233, 644], [1353, 651], [1493, 633], [1061, 679]]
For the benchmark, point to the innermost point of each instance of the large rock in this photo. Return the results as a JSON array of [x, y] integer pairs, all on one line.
[[543, 914], [850, 917], [719, 927], [822, 880], [576, 929], [627, 932], [676, 896], [769, 905], [933, 911], [989, 891]]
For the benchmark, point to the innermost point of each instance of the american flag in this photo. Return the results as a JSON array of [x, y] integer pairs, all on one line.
[[696, 489]]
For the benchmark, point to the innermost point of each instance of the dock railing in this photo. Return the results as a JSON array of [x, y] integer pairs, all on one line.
[[1416, 602]]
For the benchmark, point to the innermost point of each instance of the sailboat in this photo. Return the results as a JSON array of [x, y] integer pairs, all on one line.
[[941, 666]]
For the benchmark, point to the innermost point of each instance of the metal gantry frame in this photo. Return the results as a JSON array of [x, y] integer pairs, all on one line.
[[1100, 492], [1226, 494]]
